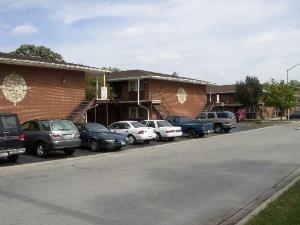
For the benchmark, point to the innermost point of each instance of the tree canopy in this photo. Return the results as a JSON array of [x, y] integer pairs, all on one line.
[[249, 92], [38, 52], [280, 95]]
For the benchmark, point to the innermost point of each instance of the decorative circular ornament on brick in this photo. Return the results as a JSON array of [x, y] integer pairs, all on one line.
[[181, 95], [14, 88]]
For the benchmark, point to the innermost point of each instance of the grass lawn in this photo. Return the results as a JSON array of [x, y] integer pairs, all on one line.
[[263, 123], [283, 211]]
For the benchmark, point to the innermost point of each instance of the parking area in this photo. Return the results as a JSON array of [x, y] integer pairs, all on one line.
[[31, 158]]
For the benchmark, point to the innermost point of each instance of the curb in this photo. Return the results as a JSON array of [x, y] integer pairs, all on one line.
[[246, 213]]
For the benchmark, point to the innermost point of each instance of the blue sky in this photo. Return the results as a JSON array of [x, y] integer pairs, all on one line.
[[214, 40]]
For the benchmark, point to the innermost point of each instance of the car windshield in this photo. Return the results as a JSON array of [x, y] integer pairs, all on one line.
[[58, 125], [185, 119], [137, 124], [96, 127], [163, 124]]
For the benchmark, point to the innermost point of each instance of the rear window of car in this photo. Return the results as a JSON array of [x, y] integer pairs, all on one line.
[[9, 123], [95, 127], [137, 124], [65, 125], [164, 124]]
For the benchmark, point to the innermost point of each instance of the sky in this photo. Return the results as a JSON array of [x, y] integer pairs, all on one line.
[[219, 41]]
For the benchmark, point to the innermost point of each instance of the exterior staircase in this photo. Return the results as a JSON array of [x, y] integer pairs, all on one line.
[[161, 110], [208, 107], [80, 110]]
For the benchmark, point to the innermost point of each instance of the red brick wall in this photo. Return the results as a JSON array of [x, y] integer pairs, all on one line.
[[167, 90], [48, 96]]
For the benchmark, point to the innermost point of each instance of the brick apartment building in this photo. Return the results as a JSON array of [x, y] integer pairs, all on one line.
[[142, 94], [34, 88]]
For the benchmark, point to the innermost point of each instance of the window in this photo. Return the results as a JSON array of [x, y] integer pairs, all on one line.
[[210, 115], [137, 113], [133, 112], [151, 124], [133, 85], [202, 116], [9, 122]]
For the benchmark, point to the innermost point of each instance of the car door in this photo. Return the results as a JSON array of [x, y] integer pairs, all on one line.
[[84, 134], [210, 117], [31, 130], [10, 132]]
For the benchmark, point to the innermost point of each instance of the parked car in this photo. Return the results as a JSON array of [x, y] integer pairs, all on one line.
[[223, 121], [163, 129], [193, 128], [44, 136], [11, 137], [97, 137], [134, 130], [295, 115]]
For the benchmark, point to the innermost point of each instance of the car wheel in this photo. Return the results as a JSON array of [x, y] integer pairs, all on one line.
[[95, 146], [218, 128], [69, 151], [157, 136], [191, 133], [131, 139], [13, 158], [41, 150]]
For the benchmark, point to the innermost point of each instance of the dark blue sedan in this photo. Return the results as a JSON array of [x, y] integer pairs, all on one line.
[[97, 137]]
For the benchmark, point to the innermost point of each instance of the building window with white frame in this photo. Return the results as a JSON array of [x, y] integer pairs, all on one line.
[[133, 85]]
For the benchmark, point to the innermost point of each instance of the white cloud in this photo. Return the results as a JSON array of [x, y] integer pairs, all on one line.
[[24, 30], [170, 56], [144, 29], [279, 37]]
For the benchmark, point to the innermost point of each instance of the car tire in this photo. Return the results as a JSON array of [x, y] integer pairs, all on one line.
[[218, 128], [41, 150], [69, 152], [191, 133], [131, 139], [13, 158], [157, 136], [95, 147]]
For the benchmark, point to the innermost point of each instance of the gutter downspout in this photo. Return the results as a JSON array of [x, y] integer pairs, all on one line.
[[138, 99]]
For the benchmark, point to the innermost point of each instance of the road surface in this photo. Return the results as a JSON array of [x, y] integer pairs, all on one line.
[[199, 181]]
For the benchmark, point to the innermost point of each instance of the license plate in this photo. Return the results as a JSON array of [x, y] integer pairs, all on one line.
[[3, 154], [123, 143], [69, 136]]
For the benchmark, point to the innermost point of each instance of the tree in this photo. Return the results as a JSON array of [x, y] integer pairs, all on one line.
[[249, 92], [91, 85], [280, 95], [38, 52]]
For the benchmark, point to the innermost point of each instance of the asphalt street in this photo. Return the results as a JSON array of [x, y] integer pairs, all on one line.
[[192, 182]]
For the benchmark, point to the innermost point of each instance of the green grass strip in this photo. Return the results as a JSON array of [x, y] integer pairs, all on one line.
[[283, 211]]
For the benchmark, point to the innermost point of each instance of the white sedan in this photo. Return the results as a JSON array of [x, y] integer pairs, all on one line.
[[134, 130], [163, 129]]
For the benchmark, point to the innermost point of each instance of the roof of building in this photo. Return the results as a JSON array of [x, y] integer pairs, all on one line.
[[13, 59], [134, 74], [216, 89]]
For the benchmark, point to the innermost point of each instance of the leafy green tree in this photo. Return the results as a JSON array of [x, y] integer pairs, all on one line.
[[91, 86], [249, 92], [294, 84], [280, 95], [38, 52]]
